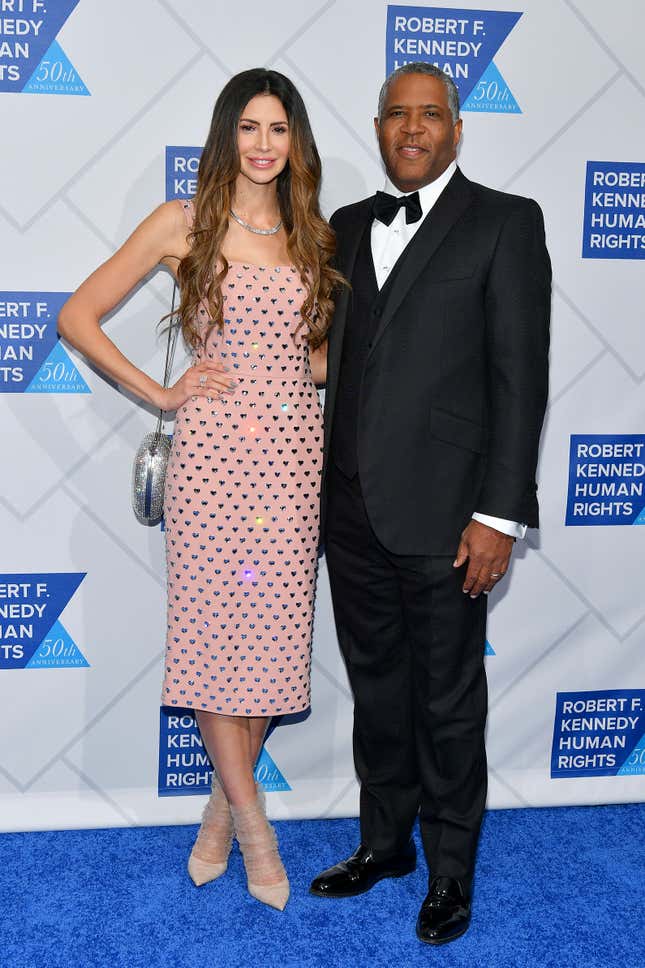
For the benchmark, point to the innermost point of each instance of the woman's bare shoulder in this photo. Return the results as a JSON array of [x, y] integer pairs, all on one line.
[[169, 224]]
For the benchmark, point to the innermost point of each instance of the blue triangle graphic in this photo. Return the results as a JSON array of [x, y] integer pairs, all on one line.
[[268, 774], [55, 74], [634, 765], [489, 649], [58, 651], [491, 94], [58, 374], [641, 517]]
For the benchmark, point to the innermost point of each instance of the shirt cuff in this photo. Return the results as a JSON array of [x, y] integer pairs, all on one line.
[[511, 528]]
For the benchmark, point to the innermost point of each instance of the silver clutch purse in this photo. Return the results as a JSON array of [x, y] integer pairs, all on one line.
[[149, 477], [151, 458]]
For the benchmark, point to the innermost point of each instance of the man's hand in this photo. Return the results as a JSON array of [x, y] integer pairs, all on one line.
[[488, 553]]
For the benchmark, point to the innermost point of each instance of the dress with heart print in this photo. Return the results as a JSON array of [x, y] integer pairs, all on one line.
[[241, 509]]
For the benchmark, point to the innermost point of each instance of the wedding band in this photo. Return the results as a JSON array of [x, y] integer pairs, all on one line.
[[202, 379]]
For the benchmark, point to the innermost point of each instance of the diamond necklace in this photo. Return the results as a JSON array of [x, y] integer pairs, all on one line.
[[253, 228]]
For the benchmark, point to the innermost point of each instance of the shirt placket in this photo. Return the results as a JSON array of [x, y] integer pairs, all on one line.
[[394, 245]]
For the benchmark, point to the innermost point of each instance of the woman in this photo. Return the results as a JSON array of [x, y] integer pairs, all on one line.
[[252, 256]]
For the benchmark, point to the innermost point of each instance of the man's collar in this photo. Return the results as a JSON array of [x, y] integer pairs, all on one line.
[[429, 194]]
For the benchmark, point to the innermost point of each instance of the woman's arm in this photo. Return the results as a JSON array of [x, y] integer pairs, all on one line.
[[318, 363], [160, 238]]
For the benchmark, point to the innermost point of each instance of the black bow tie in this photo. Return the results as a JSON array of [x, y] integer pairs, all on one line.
[[386, 206]]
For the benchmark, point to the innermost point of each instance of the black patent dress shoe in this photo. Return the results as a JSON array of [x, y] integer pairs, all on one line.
[[361, 871], [445, 913]]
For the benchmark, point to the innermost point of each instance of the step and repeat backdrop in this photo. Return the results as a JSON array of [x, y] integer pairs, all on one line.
[[104, 109]]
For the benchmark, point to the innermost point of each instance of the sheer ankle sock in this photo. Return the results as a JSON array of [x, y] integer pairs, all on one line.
[[209, 856], [266, 876]]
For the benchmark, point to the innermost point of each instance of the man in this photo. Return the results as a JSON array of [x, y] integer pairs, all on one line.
[[436, 390]]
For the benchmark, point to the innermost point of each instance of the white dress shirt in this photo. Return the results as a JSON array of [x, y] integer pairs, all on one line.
[[388, 242]]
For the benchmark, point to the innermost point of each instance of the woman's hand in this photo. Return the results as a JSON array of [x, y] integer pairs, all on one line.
[[206, 379]]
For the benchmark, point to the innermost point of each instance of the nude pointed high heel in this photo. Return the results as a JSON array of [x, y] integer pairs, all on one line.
[[209, 857], [266, 877]]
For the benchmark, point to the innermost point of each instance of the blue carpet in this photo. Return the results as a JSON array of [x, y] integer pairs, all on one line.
[[556, 888]]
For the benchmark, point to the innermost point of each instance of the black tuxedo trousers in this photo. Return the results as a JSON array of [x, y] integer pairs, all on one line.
[[413, 644]]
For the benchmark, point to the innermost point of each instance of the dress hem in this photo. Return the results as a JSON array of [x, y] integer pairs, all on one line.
[[241, 715]]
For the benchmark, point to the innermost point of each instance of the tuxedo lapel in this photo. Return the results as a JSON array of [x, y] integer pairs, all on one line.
[[346, 259], [449, 207], [345, 262]]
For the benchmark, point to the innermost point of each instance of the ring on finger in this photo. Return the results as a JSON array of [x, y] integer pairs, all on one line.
[[496, 574], [203, 379]]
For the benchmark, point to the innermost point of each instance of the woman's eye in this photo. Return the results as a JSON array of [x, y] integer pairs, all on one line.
[[247, 127], [280, 129]]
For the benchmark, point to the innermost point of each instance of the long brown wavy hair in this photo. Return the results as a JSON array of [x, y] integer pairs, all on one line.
[[310, 240]]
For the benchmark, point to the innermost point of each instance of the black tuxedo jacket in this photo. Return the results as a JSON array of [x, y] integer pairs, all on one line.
[[454, 389]]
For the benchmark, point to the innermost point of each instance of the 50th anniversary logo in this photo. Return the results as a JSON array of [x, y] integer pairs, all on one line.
[[32, 358], [460, 42], [31, 59], [31, 633]]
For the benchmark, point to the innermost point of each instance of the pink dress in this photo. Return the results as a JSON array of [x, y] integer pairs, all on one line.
[[241, 510]]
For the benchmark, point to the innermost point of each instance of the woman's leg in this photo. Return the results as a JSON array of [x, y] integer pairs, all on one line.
[[257, 731], [228, 743], [230, 747]]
